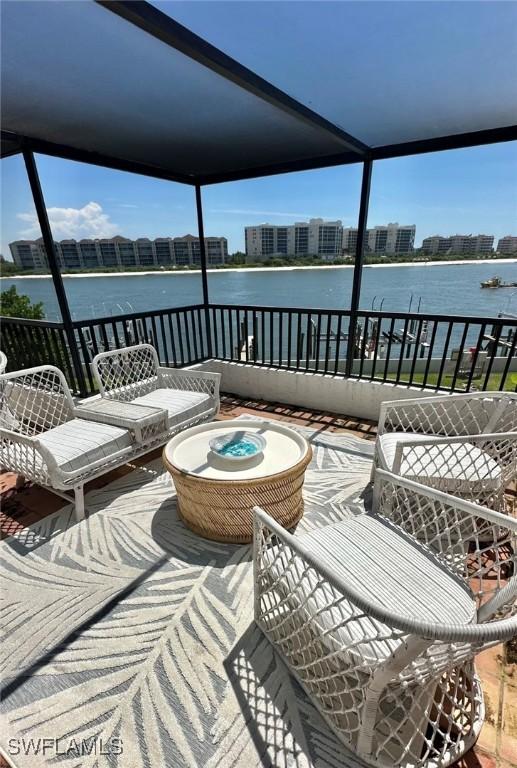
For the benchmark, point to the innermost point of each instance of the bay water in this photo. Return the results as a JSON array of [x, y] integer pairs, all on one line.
[[449, 289]]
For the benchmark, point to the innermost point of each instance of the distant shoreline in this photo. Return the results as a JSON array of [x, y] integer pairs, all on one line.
[[263, 269]]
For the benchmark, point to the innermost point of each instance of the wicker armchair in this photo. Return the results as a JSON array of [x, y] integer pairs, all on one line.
[[133, 374], [462, 444], [43, 440], [380, 616]]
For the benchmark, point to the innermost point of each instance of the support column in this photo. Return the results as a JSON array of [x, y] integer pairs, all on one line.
[[358, 263], [204, 275], [57, 279]]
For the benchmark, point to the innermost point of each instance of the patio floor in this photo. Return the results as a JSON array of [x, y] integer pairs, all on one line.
[[497, 745]]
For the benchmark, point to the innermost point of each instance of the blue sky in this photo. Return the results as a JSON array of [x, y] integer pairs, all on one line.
[[469, 190], [404, 49]]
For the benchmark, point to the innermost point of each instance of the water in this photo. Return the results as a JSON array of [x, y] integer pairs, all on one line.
[[444, 289]]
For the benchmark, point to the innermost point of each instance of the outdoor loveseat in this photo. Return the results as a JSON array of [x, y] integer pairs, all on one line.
[[133, 374], [48, 439]]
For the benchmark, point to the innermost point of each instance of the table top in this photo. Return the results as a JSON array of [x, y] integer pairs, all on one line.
[[190, 451]]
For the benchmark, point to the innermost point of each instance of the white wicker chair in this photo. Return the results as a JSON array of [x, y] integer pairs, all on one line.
[[42, 440], [380, 617], [462, 444], [133, 374], [3, 362]]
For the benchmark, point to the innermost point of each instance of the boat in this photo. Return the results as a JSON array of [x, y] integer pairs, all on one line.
[[496, 282]]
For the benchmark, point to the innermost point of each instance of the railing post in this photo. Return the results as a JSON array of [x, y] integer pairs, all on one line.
[[204, 276], [48, 240], [358, 263]]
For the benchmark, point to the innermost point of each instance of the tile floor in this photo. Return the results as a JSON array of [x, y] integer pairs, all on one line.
[[497, 744]]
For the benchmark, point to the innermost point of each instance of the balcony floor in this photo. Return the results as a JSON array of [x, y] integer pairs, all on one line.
[[497, 745]]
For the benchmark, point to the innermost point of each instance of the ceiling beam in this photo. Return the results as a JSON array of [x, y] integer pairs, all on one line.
[[443, 143], [159, 25], [66, 152], [291, 166]]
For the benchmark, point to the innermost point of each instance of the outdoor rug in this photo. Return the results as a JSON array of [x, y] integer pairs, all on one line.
[[129, 641]]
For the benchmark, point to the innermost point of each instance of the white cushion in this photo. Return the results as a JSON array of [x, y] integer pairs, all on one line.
[[78, 443], [457, 465], [386, 567], [179, 403]]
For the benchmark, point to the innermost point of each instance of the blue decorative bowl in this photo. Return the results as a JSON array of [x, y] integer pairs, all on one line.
[[238, 446]]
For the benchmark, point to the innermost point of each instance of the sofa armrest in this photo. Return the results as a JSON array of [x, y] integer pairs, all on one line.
[[22, 454], [190, 380]]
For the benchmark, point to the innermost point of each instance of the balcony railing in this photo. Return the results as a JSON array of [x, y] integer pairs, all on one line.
[[429, 351], [453, 354]]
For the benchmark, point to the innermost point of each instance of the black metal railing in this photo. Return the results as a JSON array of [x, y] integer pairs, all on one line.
[[451, 354], [454, 353], [178, 334], [296, 339], [28, 343], [428, 351]]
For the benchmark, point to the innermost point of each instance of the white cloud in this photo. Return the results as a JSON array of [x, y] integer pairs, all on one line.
[[88, 221], [239, 211], [282, 214]]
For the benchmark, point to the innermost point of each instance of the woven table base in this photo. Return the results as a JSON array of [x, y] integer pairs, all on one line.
[[222, 510]]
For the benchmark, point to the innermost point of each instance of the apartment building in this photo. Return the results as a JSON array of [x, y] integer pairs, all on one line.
[[313, 238], [436, 244], [27, 254], [507, 244], [384, 239], [459, 244], [121, 252]]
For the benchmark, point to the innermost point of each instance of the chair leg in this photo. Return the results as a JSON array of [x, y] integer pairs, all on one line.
[[414, 725], [374, 467], [79, 502]]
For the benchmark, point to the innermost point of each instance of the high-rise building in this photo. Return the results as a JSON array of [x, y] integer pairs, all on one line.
[[458, 244], [385, 239], [120, 252], [507, 244], [436, 244], [313, 238], [27, 255]]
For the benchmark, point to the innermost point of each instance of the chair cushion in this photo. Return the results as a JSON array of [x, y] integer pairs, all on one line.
[[451, 466], [78, 443], [388, 568], [179, 403]]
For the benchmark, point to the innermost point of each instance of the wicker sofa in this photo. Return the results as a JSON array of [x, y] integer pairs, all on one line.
[[47, 439], [134, 375]]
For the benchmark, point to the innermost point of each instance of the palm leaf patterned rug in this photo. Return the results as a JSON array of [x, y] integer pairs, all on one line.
[[129, 641]]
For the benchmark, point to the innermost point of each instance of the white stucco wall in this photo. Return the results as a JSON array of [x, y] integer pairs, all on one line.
[[353, 397]]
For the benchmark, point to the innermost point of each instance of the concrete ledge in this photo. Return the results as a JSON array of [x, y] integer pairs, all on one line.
[[354, 397]]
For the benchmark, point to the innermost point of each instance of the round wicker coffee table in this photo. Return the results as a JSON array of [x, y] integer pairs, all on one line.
[[216, 497]]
